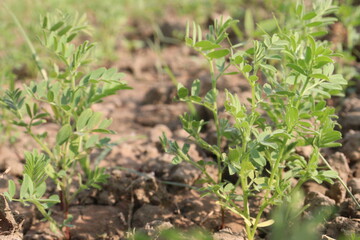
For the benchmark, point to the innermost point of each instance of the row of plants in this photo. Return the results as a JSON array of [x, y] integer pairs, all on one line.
[[291, 74]]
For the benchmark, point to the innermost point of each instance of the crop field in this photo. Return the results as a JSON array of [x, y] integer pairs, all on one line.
[[177, 120]]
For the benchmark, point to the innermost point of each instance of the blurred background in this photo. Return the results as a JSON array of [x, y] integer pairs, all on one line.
[[130, 25]]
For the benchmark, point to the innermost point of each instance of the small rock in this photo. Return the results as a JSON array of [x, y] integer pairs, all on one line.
[[351, 120], [106, 198], [348, 208], [342, 226], [350, 115], [151, 115], [117, 173], [159, 94], [160, 166], [351, 146], [356, 170], [314, 187], [226, 234], [148, 213], [304, 151], [181, 133], [354, 185], [150, 151], [158, 131], [157, 226], [184, 173], [318, 200], [340, 164], [337, 192], [141, 196], [150, 191]]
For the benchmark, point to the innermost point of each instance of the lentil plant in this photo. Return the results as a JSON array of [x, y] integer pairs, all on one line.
[[291, 74], [64, 97]]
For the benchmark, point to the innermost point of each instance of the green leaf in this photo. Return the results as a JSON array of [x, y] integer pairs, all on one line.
[[64, 30], [266, 223], [105, 123], [108, 91], [299, 10], [319, 76], [238, 59], [234, 155], [297, 68], [253, 78], [28, 110], [218, 53], [64, 134], [56, 26], [339, 79], [71, 37], [45, 22], [324, 59], [40, 190], [319, 33], [308, 54], [249, 23], [195, 99], [91, 142], [314, 24], [195, 88], [210, 96], [176, 160], [257, 159], [27, 187], [206, 45], [186, 148], [182, 91], [52, 200], [309, 16], [291, 117], [330, 174], [100, 130], [330, 136], [41, 115], [11, 188], [269, 67], [83, 119], [94, 120], [247, 68]]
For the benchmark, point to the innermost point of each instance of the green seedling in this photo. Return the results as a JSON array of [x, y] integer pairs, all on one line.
[[64, 97], [290, 74]]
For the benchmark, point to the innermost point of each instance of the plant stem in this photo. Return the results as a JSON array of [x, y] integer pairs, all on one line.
[[218, 133], [275, 168], [258, 216], [244, 186], [253, 97]]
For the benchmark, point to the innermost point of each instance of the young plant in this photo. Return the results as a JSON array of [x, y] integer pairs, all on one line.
[[290, 74], [64, 96]]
